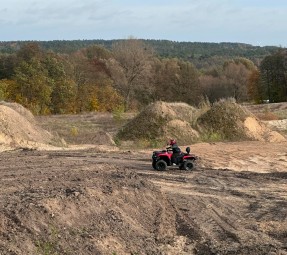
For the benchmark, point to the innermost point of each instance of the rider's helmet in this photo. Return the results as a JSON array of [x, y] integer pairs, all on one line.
[[172, 141]]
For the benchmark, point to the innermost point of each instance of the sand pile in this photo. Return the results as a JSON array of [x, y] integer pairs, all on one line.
[[259, 131], [225, 120], [280, 125], [160, 121], [103, 138], [230, 121], [18, 128], [20, 109]]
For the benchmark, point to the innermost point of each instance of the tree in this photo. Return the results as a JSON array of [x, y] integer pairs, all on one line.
[[64, 91], [237, 73], [7, 65], [214, 88], [231, 81], [176, 80], [273, 76], [29, 51], [5, 87], [253, 87], [91, 75], [188, 85], [42, 84], [96, 52], [33, 89], [32, 86], [63, 97], [98, 97], [165, 73], [130, 68]]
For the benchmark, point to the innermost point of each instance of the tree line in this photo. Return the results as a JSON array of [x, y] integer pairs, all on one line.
[[129, 74], [199, 51]]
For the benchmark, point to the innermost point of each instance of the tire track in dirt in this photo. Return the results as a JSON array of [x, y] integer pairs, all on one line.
[[216, 194], [222, 208], [218, 211]]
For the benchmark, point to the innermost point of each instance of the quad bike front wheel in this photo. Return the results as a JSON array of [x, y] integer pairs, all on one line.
[[161, 165], [188, 165]]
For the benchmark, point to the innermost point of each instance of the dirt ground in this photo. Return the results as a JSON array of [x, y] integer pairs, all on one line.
[[92, 200]]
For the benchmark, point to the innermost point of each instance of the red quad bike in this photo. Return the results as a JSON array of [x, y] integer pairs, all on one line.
[[162, 159]]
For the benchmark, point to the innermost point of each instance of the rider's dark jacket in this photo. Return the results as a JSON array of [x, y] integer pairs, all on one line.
[[175, 148]]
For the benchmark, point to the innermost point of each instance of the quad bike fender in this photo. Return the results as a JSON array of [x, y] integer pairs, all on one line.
[[189, 157], [166, 159]]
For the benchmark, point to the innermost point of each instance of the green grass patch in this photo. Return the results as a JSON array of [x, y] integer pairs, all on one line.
[[211, 137]]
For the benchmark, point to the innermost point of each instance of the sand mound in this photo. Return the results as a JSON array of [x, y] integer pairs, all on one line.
[[230, 121], [20, 109], [183, 111], [258, 131], [225, 120], [280, 125], [103, 138], [181, 130], [18, 131], [160, 121]]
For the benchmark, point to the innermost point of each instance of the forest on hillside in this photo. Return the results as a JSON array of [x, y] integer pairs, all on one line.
[[57, 77], [202, 54]]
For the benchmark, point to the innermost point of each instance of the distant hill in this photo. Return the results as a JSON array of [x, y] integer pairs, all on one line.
[[200, 53]]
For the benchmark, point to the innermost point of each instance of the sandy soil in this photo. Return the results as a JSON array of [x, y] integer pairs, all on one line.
[[100, 199], [91, 202]]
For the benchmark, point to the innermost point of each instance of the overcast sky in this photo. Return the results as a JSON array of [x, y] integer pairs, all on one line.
[[257, 22]]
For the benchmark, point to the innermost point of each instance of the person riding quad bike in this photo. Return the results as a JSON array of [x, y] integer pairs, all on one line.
[[176, 151], [173, 156]]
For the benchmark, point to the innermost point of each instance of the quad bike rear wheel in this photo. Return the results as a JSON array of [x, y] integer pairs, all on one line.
[[161, 165], [188, 165]]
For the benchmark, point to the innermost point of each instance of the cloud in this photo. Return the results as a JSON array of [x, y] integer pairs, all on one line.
[[187, 20]]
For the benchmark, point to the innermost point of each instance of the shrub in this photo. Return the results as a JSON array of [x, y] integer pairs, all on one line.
[[74, 131]]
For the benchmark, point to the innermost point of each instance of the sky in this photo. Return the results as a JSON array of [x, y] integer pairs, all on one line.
[[256, 22]]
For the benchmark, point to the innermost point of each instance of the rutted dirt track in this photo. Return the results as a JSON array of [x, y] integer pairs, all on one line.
[[87, 202]]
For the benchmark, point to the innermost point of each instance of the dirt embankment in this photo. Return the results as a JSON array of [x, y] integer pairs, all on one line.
[[18, 128]]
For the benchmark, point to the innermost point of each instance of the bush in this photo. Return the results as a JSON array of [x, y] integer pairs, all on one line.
[[118, 113]]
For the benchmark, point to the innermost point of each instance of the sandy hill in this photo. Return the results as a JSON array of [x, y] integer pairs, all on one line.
[[18, 128], [224, 120], [231, 121], [161, 121]]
